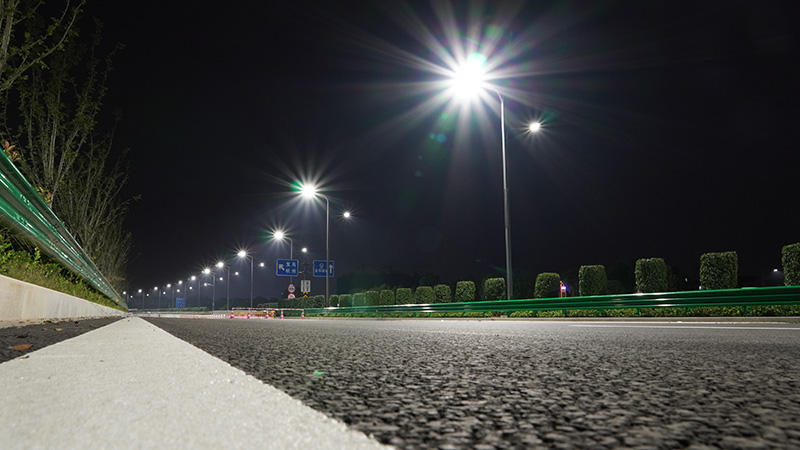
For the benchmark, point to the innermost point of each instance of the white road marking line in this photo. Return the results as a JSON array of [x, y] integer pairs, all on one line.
[[134, 385], [689, 327]]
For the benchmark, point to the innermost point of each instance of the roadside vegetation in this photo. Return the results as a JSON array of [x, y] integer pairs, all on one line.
[[24, 262]]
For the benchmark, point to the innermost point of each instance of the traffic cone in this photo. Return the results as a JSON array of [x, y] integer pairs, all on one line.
[[248, 313], [303, 314], [231, 313], [281, 314]]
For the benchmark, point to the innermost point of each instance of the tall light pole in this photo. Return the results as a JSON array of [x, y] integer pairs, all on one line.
[[222, 265], [279, 236], [208, 271], [192, 278], [468, 80], [309, 192], [141, 292], [243, 254]]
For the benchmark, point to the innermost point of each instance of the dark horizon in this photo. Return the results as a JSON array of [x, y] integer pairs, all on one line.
[[669, 131]]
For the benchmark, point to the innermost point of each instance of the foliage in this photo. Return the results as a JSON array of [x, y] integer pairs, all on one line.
[[317, 301], [345, 300], [651, 275], [719, 270], [494, 289], [334, 300], [790, 257], [592, 280], [25, 263], [443, 293], [359, 299], [373, 298], [22, 49], [387, 297], [403, 296], [424, 294], [548, 285], [614, 287], [465, 291]]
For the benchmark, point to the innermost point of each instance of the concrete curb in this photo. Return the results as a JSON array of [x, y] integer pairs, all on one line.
[[24, 302]]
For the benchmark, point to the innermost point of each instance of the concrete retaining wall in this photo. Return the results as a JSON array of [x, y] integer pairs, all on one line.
[[21, 301]]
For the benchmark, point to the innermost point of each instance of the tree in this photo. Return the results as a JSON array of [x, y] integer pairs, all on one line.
[[39, 40], [66, 158]]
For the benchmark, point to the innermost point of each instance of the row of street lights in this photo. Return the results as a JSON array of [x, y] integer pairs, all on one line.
[[467, 80]]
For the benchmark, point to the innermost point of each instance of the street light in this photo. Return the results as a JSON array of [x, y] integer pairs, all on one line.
[[243, 254], [213, 285], [279, 235], [467, 80], [140, 291], [159, 296], [309, 191], [221, 265]]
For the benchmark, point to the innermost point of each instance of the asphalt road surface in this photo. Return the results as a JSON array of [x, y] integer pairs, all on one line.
[[509, 384]]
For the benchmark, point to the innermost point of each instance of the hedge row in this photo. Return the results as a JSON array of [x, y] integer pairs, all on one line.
[[717, 271]]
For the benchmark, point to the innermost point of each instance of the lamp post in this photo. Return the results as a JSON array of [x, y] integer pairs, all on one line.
[[309, 192], [222, 265], [243, 254], [213, 285], [140, 291], [279, 236], [467, 80], [192, 278]]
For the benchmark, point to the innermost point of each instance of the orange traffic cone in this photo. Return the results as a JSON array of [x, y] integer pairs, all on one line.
[[281, 314], [303, 314]]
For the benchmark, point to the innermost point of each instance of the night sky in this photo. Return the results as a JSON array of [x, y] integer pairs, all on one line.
[[669, 130]]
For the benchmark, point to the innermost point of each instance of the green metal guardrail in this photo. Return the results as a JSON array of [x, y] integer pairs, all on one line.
[[782, 295], [22, 209]]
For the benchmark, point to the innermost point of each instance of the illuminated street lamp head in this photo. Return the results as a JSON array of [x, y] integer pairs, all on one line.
[[469, 78], [279, 235], [242, 253], [194, 277], [220, 264], [261, 264], [346, 215], [169, 285], [206, 271], [308, 191], [305, 249], [534, 127]]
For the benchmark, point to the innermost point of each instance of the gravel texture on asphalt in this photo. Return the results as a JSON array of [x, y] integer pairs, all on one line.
[[496, 384], [16, 341]]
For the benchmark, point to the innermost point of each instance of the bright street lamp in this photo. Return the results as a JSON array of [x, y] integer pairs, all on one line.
[[243, 254], [309, 191], [468, 80], [207, 271], [221, 265], [279, 235]]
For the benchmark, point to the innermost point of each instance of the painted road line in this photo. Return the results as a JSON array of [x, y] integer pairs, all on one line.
[[132, 385], [689, 327]]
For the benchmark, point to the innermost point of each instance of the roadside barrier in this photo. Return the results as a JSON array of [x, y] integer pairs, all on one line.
[[745, 297], [25, 211]]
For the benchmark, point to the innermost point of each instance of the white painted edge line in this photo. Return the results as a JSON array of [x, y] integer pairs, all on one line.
[[133, 385], [688, 327]]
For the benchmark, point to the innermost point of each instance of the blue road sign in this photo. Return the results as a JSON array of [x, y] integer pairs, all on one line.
[[319, 268], [180, 302], [286, 267]]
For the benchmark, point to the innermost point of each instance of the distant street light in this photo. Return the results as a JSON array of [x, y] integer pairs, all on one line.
[[243, 254], [468, 80], [222, 265], [279, 235], [213, 285]]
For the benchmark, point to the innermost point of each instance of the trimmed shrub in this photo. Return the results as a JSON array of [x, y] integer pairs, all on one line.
[[791, 264], [359, 299], [443, 293], [345, 300], [719, 270], [547, 285], [592, 280], [465, 291], [373, 298], [387, 297], [652, 275], [424, 294], [334, 301], [403, 296], [317, 301], [494, 289]]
